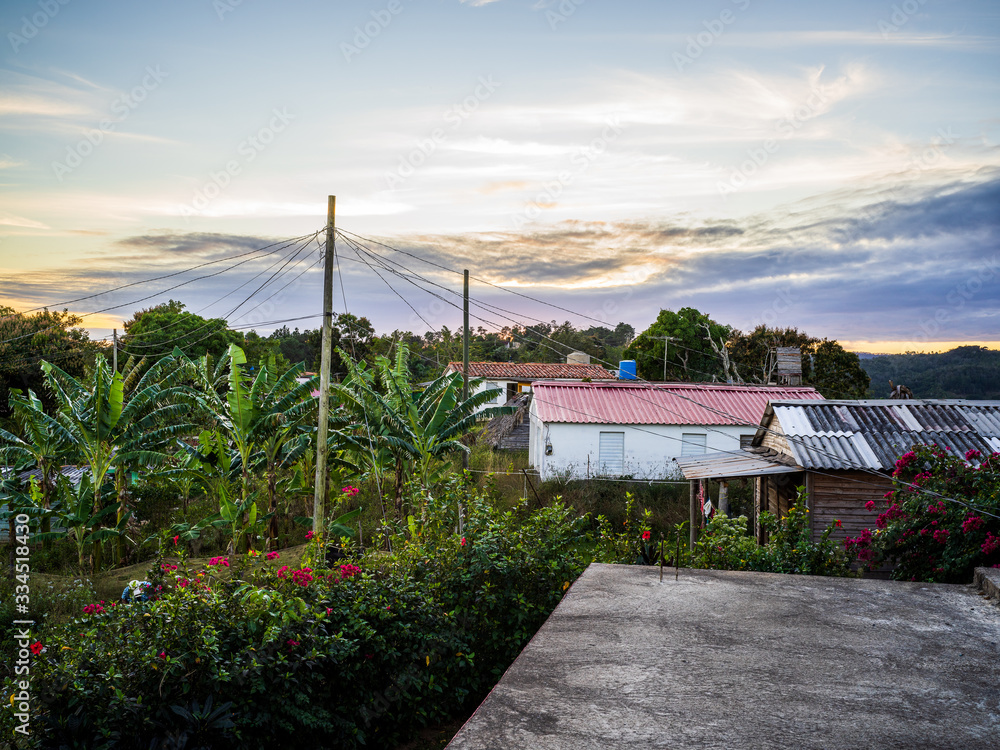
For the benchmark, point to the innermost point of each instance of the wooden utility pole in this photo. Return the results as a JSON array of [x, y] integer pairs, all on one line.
[[465, 352], [693, 515], [322, 489], [114, 352], [666, 340]]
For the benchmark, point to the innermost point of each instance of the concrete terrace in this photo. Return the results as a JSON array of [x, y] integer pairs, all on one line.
[[735, 660]]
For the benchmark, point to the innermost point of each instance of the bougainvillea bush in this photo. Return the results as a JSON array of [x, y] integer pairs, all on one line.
[[940, 521], [262, 655]]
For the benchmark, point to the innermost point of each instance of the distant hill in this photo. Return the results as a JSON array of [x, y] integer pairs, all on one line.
[[971, 372]]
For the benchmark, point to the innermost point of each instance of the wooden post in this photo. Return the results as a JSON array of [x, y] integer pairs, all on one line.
[[321, 490], [114, 353], [724, 498], [465, 352], [693, 515]]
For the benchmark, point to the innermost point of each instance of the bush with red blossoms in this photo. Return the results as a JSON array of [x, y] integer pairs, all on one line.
[[940, 520]]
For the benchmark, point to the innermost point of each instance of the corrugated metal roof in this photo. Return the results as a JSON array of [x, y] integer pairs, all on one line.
[[533, 371], [670, 403], [747, 463], [872, 434]]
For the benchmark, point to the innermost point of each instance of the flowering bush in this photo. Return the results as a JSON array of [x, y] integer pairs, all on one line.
[[357, 654], [940, 520]]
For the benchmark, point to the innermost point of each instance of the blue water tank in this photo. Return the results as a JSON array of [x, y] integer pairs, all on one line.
[[627, 370]]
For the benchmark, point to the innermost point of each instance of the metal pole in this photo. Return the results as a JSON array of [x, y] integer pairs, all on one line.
[[465, 352], [693, 518], [114, 353], [321, 489]]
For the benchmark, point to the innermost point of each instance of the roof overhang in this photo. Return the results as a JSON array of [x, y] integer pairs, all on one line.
[[735, 465]]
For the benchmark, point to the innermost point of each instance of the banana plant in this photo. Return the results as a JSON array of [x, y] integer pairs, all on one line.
[[115, 432], [416, 429], [37, 441], [75, 512]]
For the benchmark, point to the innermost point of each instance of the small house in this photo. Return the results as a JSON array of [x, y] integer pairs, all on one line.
[[635, 429], [513, 378], [843, 453]]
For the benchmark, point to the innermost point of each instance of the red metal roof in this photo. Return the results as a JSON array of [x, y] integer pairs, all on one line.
[[668, 403], [533, 371]]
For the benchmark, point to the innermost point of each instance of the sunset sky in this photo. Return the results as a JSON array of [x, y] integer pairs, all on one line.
[[829, 166]]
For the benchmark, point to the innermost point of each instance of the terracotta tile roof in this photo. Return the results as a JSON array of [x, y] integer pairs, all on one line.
[[667, 403], [533, 371]]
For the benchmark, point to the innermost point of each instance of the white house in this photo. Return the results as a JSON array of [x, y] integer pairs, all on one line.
[[516, 377], [580, 430]]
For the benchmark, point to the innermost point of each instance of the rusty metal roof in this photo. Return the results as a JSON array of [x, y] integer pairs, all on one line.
[[749, 462], [872, 434], [533, 371], [654, 403]]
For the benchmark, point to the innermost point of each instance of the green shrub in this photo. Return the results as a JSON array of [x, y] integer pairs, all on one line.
[[726, 544], [360, 654]]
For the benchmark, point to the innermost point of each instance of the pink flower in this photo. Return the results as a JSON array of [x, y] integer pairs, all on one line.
[[292, 643], [941, 536], [329, 610], [349, 490], [870, 505], [162, 654], [302, 577], [463, 541], [176, 538], [272, 555], [992, 543], [183, 582], [167, 566], [219, 561], [347, 570], [281, 571], [309, 535], [972, 453], [971, 523]]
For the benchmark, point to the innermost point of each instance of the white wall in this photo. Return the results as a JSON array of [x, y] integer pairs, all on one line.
[[649, 450]]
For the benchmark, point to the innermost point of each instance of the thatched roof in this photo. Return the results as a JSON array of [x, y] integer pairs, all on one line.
[[500, 427]]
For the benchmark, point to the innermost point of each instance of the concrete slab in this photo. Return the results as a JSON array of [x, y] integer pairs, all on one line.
[[735, 660]]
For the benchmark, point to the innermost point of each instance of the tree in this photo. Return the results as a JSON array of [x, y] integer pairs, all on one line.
[[688, 352], [115, 431], [753, 354], [837, 373], [412, 429], [25, 340], [156, 331]]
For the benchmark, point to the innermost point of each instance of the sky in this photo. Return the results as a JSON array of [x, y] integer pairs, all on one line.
[[832, 167]]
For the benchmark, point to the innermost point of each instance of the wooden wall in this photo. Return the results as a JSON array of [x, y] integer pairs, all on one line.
[[841, 495], [775, 493]]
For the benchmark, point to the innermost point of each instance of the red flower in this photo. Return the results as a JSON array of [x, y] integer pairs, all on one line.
[[309, 535], [176, 538], [837, 523], [37, 648], [870, 505], [162, 654], [292, 643], [463, 541], [646, 535]]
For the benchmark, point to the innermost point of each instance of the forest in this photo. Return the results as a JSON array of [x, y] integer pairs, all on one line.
[[964, 372]]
